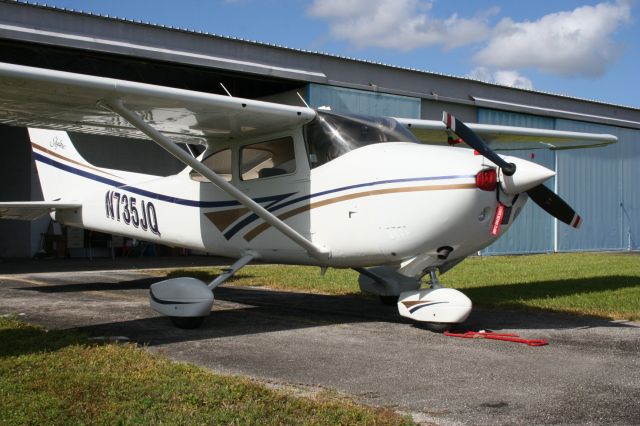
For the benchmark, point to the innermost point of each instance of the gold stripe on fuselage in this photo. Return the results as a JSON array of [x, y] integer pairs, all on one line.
[[55, 154], [225, 218], [264, 226]]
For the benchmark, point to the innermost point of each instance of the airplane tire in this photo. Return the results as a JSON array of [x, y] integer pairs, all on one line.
[[389, 300], [188, 323], [436, 327]]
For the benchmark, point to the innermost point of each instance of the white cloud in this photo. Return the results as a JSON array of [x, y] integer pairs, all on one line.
[[504, 77], [512, 78], [398, 24], [482, 74], [575, 43]]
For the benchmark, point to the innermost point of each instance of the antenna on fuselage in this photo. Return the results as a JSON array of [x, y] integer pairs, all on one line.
[[225, 89], [303, 101]]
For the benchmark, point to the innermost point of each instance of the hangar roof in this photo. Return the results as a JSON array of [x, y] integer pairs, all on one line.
[[40, 35]]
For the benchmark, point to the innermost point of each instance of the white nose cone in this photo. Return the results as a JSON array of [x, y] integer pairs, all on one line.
[[527, 176]]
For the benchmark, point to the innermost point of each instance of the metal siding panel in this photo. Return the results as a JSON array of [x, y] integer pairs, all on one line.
[[590, 180], [532, 232], [432, 110], [506, 118], [630, 146], [360, 102]]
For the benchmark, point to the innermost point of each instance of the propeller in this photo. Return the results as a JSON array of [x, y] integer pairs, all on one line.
[[474, 141], [548, 200]]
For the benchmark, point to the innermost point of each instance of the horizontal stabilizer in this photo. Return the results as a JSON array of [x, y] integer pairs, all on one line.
[[30, 210]]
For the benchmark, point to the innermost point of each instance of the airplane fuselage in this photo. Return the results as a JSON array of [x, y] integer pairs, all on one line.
[[380, 204]]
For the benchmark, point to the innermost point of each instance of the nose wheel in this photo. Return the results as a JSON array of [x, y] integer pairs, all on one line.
[[436, 327], [389, 300]]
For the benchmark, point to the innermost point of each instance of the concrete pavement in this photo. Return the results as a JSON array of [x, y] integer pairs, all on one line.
[[589, 374]]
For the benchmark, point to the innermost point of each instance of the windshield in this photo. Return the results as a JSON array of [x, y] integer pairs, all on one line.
[[329, 136]]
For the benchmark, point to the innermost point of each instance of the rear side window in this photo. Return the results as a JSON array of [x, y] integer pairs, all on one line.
[[219, 162], [267, 159]]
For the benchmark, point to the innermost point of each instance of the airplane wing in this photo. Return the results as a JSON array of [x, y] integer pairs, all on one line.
[[43, 98], [509, 137], [30, 210]]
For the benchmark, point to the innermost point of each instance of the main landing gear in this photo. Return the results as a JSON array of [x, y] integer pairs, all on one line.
[[188, 301]]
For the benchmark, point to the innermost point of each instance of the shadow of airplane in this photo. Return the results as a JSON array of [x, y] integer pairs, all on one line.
[[264, 310], [51, 265]]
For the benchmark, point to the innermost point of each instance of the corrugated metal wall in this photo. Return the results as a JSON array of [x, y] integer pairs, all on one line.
[[360, 102], [630, 208], [600, 183]]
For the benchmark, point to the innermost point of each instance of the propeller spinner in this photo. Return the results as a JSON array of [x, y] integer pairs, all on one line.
[[529, 178]]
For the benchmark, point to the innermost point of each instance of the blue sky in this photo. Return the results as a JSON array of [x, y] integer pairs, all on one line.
[[587, 49]]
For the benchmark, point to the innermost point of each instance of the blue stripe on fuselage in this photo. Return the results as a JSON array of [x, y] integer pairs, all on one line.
[[154, 195], [277, 201], [418, 307]]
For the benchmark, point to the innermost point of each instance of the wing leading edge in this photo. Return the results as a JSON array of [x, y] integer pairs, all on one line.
[[43, 98], [509, 137]]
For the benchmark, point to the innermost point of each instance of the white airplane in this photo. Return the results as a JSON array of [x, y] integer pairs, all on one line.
[[283, 184]]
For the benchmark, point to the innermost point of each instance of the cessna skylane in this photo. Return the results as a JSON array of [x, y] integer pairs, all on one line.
[[396, 199]]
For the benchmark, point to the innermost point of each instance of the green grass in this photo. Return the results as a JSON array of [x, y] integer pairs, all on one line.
[[283, 277], [57, 377], [600, 284]]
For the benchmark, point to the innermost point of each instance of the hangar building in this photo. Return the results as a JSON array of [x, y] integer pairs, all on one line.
[[598, 183]]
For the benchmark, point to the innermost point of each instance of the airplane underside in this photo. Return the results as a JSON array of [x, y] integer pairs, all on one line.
[[188, 301]]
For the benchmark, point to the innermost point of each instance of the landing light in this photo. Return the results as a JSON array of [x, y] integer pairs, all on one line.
[[487, 179]]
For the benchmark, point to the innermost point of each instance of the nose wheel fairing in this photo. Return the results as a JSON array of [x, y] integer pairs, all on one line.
[[443, 306], [437, 307]]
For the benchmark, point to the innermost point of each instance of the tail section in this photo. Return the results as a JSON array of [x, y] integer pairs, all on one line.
[[57, 144], [64, 174]]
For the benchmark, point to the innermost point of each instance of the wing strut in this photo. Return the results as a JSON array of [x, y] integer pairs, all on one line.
[[173, 149]]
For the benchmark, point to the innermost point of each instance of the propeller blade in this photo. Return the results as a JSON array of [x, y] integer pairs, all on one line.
[[554, 205], [475, 142], [548, 200]]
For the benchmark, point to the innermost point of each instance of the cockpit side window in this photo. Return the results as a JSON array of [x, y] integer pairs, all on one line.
[[267, 159], [329, 136], [219, 162]]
